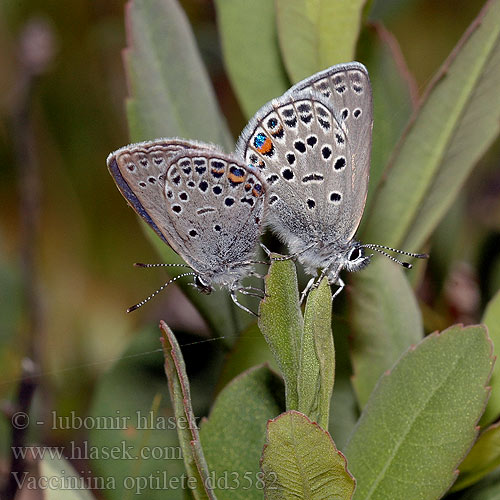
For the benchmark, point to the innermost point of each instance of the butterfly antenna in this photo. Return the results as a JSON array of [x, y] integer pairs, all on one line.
[[142, 302], [374, 246], [140, 264], [407, 265]]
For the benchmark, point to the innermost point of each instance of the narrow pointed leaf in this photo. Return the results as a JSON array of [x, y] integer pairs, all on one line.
[[234, 434], [394, 97], [315, 34], [187, 430], [483, 458], [386, 320], [439, 392], [491, 319], [457, 121], [282, 324], [170, 92], [170, 95], [251, 51], [300, 461], [317, 357]]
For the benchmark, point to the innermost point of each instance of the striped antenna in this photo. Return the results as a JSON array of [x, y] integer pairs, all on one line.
[[407, 265], [142, 302], [140, 264]]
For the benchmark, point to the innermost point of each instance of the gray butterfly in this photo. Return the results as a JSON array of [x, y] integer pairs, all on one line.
[[207, 205], [313, 146]]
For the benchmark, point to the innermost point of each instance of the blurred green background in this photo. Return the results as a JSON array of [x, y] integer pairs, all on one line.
[[88, 238]]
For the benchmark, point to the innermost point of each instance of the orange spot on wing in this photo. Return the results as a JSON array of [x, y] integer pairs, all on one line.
[[257, 190], [266, 146], [237, 179]]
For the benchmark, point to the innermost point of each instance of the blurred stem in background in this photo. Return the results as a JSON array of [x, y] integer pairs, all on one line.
[[35, 53]]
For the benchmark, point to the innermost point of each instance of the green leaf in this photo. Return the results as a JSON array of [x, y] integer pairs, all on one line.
[[59, 475], [458, 120], [169, 86], [394, 96], [281, 323], [317, 356], [386, 320], [483, 458], [251, 51], [234, 434], [170, 92], [300, 461], [491, 319], [421, 418], [315, 34], [178, 385]]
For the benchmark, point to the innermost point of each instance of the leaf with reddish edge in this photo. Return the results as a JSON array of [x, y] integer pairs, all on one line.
[[189, 439], [439, 389], [300, 461]]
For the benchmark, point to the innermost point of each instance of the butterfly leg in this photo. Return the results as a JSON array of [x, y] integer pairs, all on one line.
[[241, 306], [253, 291], [340, 285], [278, 259], [306, 290]]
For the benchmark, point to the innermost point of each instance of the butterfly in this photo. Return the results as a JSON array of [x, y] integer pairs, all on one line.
[[313, 147], [205, 204]]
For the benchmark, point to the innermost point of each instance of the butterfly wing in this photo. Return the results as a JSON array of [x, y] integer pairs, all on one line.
[[139, 173], [347, 87], [307, 145], [305, 158], [214, 205]]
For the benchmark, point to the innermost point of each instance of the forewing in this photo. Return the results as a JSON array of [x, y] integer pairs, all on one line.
[[139, 172], [347, 87], [303, 153], [214, 205]]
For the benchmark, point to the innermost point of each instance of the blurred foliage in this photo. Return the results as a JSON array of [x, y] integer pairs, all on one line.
[[88, 238]]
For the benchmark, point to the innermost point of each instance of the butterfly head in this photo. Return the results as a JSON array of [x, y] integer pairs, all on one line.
[[354, 258]]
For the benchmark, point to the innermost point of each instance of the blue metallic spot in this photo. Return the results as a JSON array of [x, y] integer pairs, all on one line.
[[259, 140], [239, 172]]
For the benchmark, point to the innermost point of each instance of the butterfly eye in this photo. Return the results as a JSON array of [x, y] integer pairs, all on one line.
[[355, 254]]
